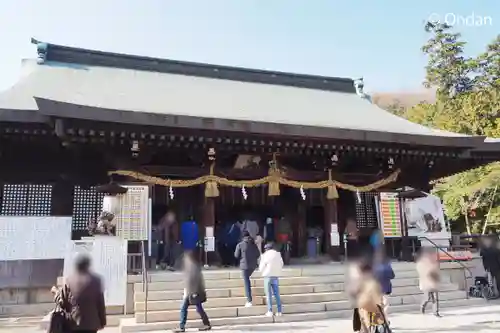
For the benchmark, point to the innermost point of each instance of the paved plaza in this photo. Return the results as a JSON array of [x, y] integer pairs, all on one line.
[[484, 319]]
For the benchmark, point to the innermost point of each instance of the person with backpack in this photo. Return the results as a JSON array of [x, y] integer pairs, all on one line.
[[271, 267], [248, 255], [370, 302]]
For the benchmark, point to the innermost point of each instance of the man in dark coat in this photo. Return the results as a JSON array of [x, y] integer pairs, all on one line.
[[248, 255], [83, 297], [490, 253]]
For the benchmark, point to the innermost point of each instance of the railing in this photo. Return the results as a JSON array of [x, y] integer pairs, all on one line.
[[461, 264], [145, 279]]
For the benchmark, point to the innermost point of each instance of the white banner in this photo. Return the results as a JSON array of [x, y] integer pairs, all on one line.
[[34, 237], [425, 218]]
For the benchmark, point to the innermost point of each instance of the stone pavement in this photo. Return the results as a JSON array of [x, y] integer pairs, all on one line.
[[484, 319]]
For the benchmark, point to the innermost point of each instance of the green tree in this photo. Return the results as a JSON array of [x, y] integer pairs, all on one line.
[[448, 69], [468, 102]]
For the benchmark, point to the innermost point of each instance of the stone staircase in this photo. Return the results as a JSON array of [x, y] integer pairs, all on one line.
[[308, 293]]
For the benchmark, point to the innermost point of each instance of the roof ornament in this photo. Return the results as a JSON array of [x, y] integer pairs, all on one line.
[[360, 85], [41, 50]]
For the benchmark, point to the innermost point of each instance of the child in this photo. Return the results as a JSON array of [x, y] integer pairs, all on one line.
[[271, 266]]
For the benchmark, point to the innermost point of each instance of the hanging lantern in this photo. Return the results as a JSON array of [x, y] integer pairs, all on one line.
[[244, 192], [302, 193]]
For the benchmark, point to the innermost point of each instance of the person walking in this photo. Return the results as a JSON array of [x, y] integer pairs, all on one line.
[[248, 255], [490, 255], [370, 302], [194, 292], [82, 298], [428, 272], [271, 267], [384, 274]]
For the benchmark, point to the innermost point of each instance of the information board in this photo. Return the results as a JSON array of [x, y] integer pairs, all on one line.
[[109, 261], [74, 249], [133, 217], [34, 237], [390, 215]]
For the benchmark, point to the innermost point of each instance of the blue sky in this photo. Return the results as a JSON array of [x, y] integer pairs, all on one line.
[[378, 39]]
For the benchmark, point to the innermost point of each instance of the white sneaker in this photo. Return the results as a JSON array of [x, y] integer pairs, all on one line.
[[248, 305], [279, 314], [269, 314]]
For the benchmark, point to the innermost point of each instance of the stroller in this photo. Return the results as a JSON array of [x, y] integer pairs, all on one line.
[[483, 288]]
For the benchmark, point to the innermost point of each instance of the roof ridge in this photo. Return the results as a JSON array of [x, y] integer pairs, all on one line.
[[69, 54]]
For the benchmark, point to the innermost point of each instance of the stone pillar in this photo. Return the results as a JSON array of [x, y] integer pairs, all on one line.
[[331, 217]]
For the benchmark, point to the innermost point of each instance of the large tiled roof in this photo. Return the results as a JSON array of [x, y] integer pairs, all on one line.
[[171, 88]]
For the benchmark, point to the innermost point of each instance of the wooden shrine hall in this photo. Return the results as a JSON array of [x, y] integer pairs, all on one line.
[[211, 140]]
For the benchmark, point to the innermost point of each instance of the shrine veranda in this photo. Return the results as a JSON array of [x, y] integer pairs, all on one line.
[[209, 142]]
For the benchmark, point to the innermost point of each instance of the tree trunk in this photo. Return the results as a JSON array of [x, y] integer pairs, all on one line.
[[467, 224]]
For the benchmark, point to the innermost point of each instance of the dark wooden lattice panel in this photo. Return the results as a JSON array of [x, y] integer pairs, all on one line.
[[84, 207], [14, 199], [26, 200], [371, 211], [366, 215], [39, 200]]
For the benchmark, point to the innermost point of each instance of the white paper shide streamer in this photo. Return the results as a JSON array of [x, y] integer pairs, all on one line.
[[171, 192], [302, 193], [358, 196], [244, 192]]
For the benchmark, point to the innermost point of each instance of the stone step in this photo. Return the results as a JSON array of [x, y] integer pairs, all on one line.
[[224, 312], [259, 299], [316, 270], [25, 310], [132, 326], [286, 281], [112, 321]]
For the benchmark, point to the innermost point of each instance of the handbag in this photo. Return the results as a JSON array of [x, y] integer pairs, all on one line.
[[60, 318], [197, 298]]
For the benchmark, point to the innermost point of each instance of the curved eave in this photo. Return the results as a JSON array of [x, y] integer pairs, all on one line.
[[60, 109]]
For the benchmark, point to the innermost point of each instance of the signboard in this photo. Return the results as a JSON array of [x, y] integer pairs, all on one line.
[[34, 237], [132, 220], [109, 261], [456, 255], [425, 218], [390, 214]]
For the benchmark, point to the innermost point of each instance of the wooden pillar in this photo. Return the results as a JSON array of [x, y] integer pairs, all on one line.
[[331, 217], [300, 230]]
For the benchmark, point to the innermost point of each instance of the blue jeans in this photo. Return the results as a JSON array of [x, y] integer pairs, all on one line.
[[272, 288], [199, 309], [247, 273]]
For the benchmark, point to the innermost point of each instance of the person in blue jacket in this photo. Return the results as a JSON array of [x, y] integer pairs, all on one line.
[[384, 273]]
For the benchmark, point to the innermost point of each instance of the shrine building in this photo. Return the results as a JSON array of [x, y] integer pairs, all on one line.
[[212, 142]]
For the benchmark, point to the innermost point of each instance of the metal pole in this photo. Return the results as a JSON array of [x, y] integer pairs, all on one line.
[[345, 247]]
